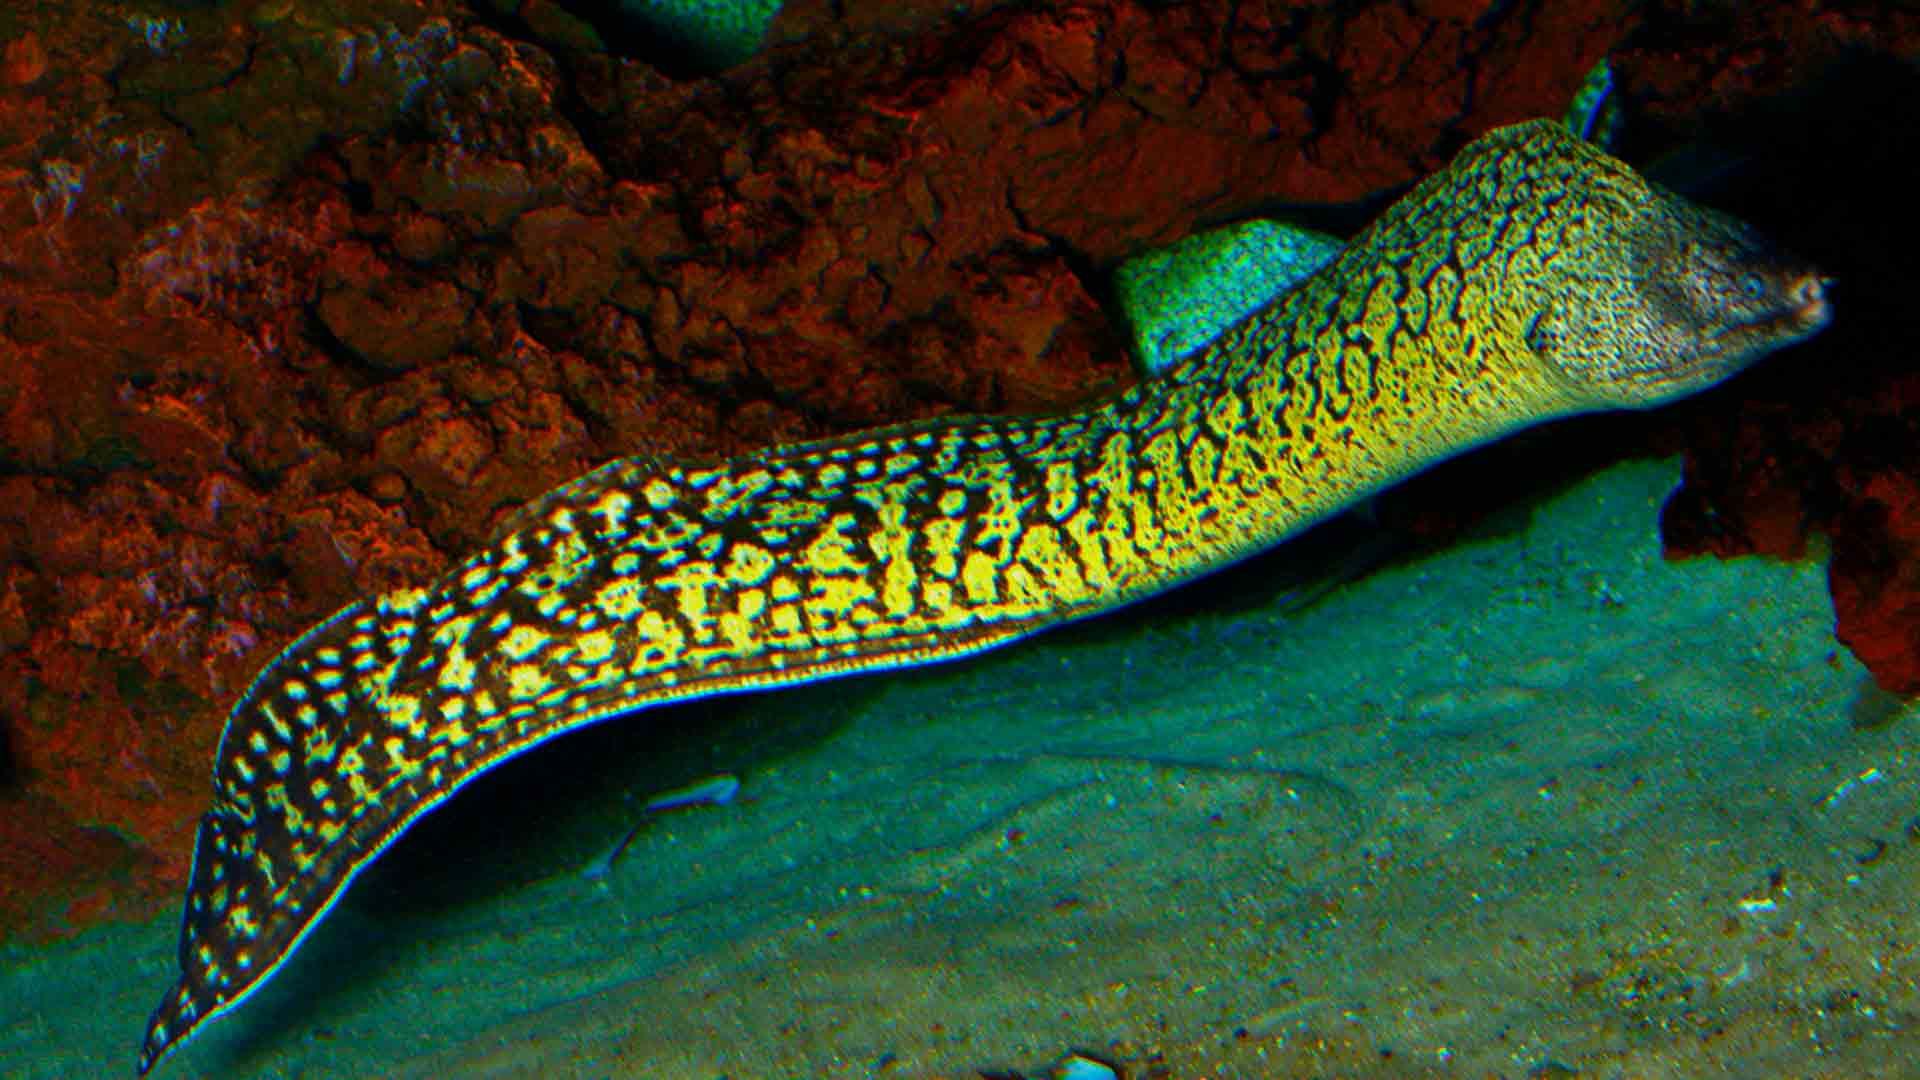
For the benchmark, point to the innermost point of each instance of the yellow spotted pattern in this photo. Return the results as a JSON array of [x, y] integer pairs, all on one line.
[[650, 580]]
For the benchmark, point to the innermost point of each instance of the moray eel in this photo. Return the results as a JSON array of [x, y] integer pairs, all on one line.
[[1535, 277]]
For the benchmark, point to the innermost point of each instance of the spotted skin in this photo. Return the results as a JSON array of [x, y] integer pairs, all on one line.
[[1534, 277]]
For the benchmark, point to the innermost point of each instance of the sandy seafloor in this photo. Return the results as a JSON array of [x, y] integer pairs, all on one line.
[[1538, 805]]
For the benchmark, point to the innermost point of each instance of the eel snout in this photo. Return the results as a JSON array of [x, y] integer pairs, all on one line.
[[1808, 294]]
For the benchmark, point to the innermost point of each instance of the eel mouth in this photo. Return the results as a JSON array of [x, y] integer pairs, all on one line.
[[1811, 309], [1801, 311], [1804, 310]]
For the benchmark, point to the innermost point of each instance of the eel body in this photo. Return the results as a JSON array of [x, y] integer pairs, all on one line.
[[1534, 277]]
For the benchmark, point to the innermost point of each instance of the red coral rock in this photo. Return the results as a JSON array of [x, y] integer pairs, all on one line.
[[563, 260], [396, 325], [1875, 577]]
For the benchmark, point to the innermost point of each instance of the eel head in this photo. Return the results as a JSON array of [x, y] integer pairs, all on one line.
[[1685, 297]]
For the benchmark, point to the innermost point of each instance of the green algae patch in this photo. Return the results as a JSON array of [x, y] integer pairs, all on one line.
[[1177, 298]]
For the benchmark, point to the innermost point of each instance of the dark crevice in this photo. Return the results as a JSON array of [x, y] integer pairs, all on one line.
[[345, 357], [570, 101], [12, 775], [359, 196], [1326, 88], [625, 32]]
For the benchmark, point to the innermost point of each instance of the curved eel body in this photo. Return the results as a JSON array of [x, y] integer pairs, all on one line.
[[1535, 277]]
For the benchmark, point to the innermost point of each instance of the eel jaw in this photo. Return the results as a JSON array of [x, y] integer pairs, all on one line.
[[1803, 312], [1812, 311]]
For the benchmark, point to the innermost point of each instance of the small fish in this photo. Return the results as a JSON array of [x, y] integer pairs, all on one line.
[[713, 791]]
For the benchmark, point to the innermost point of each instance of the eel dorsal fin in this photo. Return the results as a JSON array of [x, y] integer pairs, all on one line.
[[628, 473]]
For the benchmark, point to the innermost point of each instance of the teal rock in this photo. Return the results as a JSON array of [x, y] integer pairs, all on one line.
[[1176, 299]]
